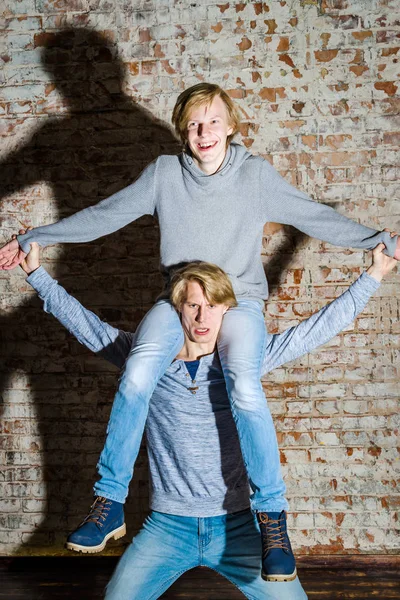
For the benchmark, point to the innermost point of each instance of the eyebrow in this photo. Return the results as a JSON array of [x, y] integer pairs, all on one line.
[[209, 118]]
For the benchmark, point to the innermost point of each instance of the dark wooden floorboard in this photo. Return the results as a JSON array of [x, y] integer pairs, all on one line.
[[84, 578]]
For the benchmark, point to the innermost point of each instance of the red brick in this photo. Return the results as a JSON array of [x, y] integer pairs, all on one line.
[[325, 55], [389, 87], [272, 25], [245, 44], [361, 35], [392, 138]]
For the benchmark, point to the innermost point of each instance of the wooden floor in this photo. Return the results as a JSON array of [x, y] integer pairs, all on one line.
[[84, 578]]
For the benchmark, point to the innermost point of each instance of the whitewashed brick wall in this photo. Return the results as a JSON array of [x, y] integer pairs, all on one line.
[[82, 112]]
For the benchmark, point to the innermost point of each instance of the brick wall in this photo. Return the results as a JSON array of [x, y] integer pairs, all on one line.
[[89, 89]]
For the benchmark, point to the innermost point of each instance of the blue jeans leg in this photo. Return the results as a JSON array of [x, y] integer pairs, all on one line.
[[164, 549], [169, 545], [157, 341], [241, 346], [235, 552]]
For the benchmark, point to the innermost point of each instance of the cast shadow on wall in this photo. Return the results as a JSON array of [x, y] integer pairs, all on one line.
[[99, 147]]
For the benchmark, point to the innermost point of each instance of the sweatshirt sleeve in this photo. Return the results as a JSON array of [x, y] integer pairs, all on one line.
[[107, 216], [100, 337], [320, 327], [287, 205]]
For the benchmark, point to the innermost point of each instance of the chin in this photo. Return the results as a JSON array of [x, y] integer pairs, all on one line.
[[204, 339]]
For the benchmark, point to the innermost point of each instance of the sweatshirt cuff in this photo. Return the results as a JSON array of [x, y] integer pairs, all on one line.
[[24, 241], [41, 281], [390, 242], [365, 285]]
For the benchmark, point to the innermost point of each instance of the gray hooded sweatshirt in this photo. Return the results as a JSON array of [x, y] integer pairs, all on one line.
[[216, 218]]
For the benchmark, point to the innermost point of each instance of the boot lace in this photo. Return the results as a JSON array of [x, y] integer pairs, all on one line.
[[98, 511], [273, 534]]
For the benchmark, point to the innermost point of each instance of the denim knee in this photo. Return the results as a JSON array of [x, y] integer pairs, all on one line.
[[246, 393], [136, 383]]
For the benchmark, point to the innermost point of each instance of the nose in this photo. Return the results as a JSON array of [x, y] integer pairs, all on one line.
[[200, 315], [202, 129]]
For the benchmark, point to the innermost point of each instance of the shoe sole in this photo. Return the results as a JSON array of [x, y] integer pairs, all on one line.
[[277, 577], [116, 534]]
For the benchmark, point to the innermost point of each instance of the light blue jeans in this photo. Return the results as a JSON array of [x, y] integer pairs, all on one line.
[[168, 545], [241, 347]]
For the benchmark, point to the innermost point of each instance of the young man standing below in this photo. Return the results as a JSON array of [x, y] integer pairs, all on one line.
[[212, 202], [199, 488]]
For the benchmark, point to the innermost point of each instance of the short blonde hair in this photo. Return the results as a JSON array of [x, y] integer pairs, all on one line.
[[214, 282], [197, 95]]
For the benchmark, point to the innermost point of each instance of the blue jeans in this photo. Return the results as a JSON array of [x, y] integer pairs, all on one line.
[[168, 545], [157, 341], [241, 347]]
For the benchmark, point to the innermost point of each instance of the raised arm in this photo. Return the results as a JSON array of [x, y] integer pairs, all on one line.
[[330, 320], [100, 337], [107, 216], [287, 205]]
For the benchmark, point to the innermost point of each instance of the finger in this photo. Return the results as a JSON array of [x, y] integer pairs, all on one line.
[[6, 255], [6, 267], [7, 251], [7, 262], [392, 233], [22, 231], [23, 224], [4, 260], [14, 263]]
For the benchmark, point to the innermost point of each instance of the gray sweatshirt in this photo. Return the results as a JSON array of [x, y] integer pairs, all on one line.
[[196, 467], [216, 218]]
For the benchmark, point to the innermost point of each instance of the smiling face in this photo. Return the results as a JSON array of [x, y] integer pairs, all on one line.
[[201, 320], [207, 131]]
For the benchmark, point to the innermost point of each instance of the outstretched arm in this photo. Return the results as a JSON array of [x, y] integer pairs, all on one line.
[[330, 320], [100, 337], [287, 205], [107, 216]]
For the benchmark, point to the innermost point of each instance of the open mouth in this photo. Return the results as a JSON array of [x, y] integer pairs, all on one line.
[[202, 331], [206, 145]]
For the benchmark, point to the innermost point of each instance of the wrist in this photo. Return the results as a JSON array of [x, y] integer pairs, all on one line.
[[30, 271], [375, 272]]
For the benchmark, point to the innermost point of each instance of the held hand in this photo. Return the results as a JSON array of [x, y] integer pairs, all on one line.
[[397, 251], [396, 254], [32, 260], [381, 264], [11, 255]]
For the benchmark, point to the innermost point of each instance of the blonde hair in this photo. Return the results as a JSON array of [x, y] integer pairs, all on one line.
[[197, 95], [214, 282]]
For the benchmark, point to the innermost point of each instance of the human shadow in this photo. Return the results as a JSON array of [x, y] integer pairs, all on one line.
[[97, 147], [283, 257]]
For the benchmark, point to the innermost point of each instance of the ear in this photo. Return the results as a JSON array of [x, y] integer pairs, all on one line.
[[226, 309], [230, 131]]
